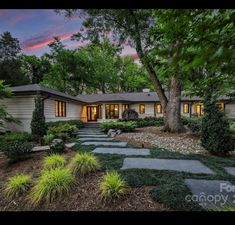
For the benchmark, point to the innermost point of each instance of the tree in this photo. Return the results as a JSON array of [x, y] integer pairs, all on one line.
[[34, 68], [5, 92], [10, 64], [38, 125]]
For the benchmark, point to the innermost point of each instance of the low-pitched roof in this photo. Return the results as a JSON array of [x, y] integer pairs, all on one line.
[[32, 88], [132, 97]]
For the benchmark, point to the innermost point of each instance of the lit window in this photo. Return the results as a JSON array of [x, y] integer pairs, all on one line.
[[112, 111], [60, 109], [158, 108], [199, 109], [142, 108], [124, 107], [220, 106], [186, 108]]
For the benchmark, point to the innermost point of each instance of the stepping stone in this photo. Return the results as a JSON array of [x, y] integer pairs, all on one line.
[[211, 194], [41, 148], [230, 170], [107, 143], [92, 135], [70, 145], [190, 166], [122, 151], [95, 139]]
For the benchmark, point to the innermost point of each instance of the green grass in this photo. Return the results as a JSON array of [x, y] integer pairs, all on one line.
[[112, 186], [169, 189], [53, 161], [17, 185], [83, 163], [52, 184]]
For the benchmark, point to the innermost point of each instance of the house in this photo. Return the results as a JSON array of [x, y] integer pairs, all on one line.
[[96, 107]]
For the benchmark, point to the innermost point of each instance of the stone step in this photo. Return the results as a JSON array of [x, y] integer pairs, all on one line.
[[92, 135], [122, 151], [107, 143], [230, 170], [70, 145], [211, 194], [95, 139], [181, 165], [41, 148]]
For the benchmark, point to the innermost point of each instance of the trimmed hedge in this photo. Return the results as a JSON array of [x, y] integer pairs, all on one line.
[[123, 126], [77, 123], [147, 121]]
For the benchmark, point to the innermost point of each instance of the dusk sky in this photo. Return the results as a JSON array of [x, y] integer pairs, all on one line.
[[36, 28]]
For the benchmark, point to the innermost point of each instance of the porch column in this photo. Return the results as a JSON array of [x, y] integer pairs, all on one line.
[[120, 110], [103, 111]]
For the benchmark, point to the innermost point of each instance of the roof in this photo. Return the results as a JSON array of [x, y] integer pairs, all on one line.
[[132, 97], [40, 88]]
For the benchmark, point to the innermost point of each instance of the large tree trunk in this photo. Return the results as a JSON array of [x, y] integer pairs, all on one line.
[[173, 122]]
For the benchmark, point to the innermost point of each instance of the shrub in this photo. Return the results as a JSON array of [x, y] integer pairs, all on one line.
[[83, 163], [16, 150], [130, 114], [52, 184], [232, 128], [62, 129], [215, 134], [16, 136], [17, 185], [147, 121], [53, 161], [48, 138], [123, 126], [112, 186], [38, 125], [193, 123], [56, 147], [77, 123]]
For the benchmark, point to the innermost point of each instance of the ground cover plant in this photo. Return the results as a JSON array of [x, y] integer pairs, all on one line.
[[53, 161]]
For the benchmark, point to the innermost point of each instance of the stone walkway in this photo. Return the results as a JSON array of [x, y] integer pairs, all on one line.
[[230, 170], [95, 139], [105, 143]]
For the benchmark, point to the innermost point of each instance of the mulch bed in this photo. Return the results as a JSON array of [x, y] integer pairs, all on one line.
[[83, 196]]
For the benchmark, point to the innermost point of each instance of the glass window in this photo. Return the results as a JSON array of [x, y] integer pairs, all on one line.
[[111, 111], [142, 108], [186, 108], [60, 109], [220, 106], [158, 108], [199, 109], [124, 107]]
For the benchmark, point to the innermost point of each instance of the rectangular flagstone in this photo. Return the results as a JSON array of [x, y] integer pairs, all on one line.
[[92, 135], [70, 145], [41, 148], [211, 194], [230, 170], [89, 132], [107, 143], [190, 166], [122, 151], [95, 139]]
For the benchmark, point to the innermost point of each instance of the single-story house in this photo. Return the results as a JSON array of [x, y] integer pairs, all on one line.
[[96, 107]]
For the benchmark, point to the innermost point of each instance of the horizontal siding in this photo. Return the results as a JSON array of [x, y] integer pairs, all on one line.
[[230, 110]]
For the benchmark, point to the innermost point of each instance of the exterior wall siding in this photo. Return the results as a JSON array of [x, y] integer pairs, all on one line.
[[230, 110]]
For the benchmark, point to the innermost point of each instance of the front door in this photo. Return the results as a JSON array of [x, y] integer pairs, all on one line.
[[92, 112]]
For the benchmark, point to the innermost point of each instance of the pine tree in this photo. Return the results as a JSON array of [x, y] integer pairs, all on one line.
[[38, 125]]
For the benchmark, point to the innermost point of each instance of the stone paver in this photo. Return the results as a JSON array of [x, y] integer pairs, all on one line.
[[107, 143], [70, 145], [95, 139], [41, 148], [92, 135], [122, 151], [230, 170], [211, 194], [190, 166]]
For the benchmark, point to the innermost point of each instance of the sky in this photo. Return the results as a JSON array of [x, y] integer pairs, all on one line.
[[36, 28]]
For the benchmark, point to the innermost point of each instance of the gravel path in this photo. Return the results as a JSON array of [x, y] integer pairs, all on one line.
[[153, 137]]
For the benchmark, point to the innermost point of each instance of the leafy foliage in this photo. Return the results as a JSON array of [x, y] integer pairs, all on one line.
[[147, 121], [123, 126], [56, 147], [51, 185], [62, 128], [193, 123], [215, 134], [83, 163], [53, 161], [16, 136], [48, 138], [77, 123], [130, 114], [17, 185], [112, 186]]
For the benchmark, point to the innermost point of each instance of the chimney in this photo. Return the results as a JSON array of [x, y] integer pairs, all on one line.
[[146, 90]]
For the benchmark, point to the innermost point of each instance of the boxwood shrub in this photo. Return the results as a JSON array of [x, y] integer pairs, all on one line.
[[77, 123], [147, 121], [123, 126]]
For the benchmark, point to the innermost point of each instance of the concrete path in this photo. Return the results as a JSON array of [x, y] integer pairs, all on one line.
[[230, 170], [95, 139], [106, 143], [211, 194], [190, 166], [122, 151]]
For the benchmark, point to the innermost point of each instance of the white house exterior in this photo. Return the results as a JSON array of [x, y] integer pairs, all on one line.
[[95, 107]]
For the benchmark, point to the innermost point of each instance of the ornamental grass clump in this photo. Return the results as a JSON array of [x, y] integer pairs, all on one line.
[[83, 163], [17, 185], [52, 184], [112, 186], [53, 161]]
